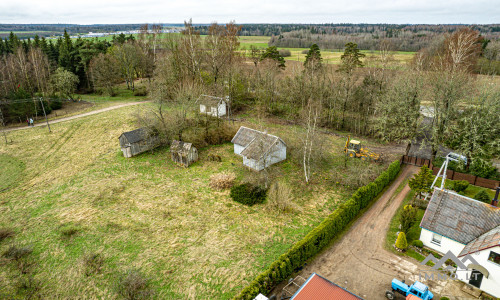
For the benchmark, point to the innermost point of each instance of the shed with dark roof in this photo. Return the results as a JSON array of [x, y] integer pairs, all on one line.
[[183, 153], [138, 141]]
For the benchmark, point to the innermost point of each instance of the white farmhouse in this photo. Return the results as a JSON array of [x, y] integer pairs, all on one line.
[[214, 106], [465, 226], [258, 149]]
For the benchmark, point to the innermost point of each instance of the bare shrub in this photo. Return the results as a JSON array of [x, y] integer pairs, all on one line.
[[6, 233], [285, 52], [93, 263], [305, 51], [280, 197], [134, 286], [222, 181], [214, 157]]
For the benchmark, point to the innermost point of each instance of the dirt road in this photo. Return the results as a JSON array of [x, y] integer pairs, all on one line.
[[359, 262], [76, 116]]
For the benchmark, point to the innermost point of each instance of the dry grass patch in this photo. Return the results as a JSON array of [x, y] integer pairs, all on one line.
[[222, 181]]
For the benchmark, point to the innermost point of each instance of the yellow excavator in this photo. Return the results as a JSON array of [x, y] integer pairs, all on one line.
[[353, 148]]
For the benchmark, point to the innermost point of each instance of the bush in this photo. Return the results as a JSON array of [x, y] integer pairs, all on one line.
[[214, 157], [6, 233], [133, 286], [418, 243], [140, 91], [248, 194], [69, 230], [444, 298], [401, 242], [483, 196], [333, 225], [407, 218], [17, 253], [459, 185], [483, 168], [285, 52], [222, 181], [280, 197], [55, 104], [305, 51]]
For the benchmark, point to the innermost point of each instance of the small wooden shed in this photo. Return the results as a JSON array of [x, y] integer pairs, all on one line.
[[214, 106], [183, 153], [137, 141]]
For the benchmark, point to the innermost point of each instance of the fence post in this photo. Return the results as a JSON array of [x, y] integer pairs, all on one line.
[[475, 179]]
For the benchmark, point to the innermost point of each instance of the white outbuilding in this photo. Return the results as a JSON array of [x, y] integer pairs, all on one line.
[[258, 149], [214, 106]]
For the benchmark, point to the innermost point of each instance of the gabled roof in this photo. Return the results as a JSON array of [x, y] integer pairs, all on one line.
[[319, 288], [180, 147], [135, 136], [210, 100], [256, 143], [458, 217], [487, 240]]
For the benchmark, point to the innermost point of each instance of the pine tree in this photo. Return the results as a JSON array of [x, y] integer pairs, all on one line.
[[351, 58], [401, 242], [273, 53], [313, 57], [421, 182]]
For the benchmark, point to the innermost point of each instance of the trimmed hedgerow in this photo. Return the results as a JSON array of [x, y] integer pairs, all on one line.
[[319, 237], [248, 194]]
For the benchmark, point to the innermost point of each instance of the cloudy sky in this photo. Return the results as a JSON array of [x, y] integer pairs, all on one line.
[[256, 11]]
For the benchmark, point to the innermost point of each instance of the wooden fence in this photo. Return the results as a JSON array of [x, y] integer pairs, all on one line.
[[450, 174]]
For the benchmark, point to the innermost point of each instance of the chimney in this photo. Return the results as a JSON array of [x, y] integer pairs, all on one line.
[[494, 202]]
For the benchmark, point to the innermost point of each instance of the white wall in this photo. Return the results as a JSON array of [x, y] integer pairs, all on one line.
[[238, 149], [490, 285], [203, 108], [276, 156], [446, 243]]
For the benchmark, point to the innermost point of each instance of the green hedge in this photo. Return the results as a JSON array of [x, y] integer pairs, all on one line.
[[319, 237]]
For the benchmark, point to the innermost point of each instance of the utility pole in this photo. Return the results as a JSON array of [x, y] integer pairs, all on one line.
[[3, 124], [46, 120]]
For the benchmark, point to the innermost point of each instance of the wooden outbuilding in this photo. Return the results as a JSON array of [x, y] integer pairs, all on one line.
[[183, 153], [258, 149], [137, 141], [214, 106]]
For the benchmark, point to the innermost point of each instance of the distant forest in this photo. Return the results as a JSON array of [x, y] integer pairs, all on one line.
[[327, 36]]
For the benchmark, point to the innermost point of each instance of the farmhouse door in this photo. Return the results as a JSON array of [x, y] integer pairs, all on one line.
[[476, 278]]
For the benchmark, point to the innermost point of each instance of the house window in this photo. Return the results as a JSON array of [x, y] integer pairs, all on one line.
[[436, 239], [494, 257]]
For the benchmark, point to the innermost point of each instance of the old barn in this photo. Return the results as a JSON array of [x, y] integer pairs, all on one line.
[[137, 141], [258, 149], [214, 106], [183, 153]]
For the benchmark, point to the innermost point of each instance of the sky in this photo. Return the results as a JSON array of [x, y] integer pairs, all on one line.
[[256, 11]]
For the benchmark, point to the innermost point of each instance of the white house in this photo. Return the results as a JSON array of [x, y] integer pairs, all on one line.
[[214, 106], [465, 226], [258, 149]]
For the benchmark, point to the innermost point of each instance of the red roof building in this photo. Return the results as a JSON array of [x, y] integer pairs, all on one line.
[[319, 288]]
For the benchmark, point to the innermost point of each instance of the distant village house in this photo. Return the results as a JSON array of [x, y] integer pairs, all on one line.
[[183, 153], [258, 149], [214, 106], [137, 141]]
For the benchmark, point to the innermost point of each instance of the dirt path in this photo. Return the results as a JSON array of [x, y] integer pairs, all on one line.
[[76, 116], [359, 262]]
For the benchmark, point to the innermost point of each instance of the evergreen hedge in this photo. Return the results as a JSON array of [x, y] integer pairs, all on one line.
[[319, 237]]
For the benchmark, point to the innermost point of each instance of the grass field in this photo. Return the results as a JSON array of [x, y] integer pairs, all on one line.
[[76, 195]]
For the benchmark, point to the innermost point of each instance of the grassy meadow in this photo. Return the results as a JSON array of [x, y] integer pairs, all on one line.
[[70, 194]]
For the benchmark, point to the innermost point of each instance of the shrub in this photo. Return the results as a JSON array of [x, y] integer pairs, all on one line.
[[140, 91], [401, 242], [333, 225], [69, 230], [460, 185], [214, 157], [280, 197], [407, 218], [483, 168], [133, 286], [248, 194], [285, 52], [93, 263], [6, 233], [222, 181], [305, 51], [418, 243], [483, 196], [444, 298], [55, 104]]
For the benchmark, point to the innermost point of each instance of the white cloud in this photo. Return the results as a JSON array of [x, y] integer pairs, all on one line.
[[257, 11]]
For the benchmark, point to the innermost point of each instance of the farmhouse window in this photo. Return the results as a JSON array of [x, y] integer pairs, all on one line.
[[494, 257], [436, 239]]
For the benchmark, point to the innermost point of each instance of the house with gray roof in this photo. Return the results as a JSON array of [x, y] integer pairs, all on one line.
[[138, 141], [258, 149], [183, 153], [469, 229]]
